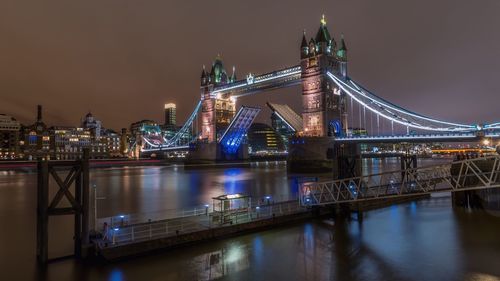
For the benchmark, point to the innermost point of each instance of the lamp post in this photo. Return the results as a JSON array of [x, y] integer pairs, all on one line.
[[486, 142], [95, 206], [115, 230]]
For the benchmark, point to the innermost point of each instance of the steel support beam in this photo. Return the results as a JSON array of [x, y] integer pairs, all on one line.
[[78, 178]]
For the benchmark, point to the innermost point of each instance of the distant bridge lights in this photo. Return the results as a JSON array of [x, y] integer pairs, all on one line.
[[250, 79]]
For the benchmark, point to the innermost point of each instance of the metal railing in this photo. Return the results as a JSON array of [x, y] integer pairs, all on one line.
[[131, 233], [137, 218], [470, 174], [124, 219]]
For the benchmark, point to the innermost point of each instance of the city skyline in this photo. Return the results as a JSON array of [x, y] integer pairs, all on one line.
[[250, 140], [111, 58]]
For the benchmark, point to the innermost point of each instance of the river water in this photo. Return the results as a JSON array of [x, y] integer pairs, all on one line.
[[422, 240]]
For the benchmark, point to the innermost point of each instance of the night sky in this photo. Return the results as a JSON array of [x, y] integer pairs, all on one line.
[[124, 59]]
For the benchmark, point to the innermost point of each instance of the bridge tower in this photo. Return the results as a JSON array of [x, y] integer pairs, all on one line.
[[217, 109], [323, 104]]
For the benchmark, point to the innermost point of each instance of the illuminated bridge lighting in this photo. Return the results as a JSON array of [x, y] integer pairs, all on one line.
[[246, 86], [232, 137], [381, 102], [174, 142], [448, 136], [235, 132], [395, 118]]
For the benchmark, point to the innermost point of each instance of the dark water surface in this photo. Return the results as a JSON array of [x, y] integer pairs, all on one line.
[[424, 240]]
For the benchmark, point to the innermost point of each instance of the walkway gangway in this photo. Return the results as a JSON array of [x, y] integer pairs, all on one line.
[[470, 174], [124, 233]]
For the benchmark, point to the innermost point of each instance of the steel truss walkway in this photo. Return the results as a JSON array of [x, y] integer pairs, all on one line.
[[282, 78], [471, 174]]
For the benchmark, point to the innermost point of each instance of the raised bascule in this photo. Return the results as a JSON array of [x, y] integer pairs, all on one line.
[[335, 108]]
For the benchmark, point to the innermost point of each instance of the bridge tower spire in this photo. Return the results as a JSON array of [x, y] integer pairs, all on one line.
[[304, 50], [324, 106]]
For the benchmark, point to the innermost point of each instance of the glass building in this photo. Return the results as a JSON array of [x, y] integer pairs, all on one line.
[[285, 121], [264, 140]]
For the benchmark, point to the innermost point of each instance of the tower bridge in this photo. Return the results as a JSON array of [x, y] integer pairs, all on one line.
[[333, 106]]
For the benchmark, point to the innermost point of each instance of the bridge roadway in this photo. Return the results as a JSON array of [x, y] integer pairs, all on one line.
[[419, 138], [470, 174]]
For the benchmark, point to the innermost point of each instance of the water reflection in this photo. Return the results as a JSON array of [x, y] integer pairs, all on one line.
[[423, 240], [116, 275], [225, 261], [153, 189]]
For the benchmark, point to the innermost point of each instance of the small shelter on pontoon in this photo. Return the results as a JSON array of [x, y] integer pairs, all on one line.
[[228, 207]]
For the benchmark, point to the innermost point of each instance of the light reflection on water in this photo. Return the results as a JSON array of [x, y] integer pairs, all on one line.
[[423, 240], [153, 189]]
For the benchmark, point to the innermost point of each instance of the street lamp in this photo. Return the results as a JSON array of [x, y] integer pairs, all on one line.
[[95, 206], [486, 142], [115, 230]]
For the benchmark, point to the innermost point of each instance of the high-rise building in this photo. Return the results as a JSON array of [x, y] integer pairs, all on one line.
[[170, 115], [9, 137], [285, 121], [263, 140]]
